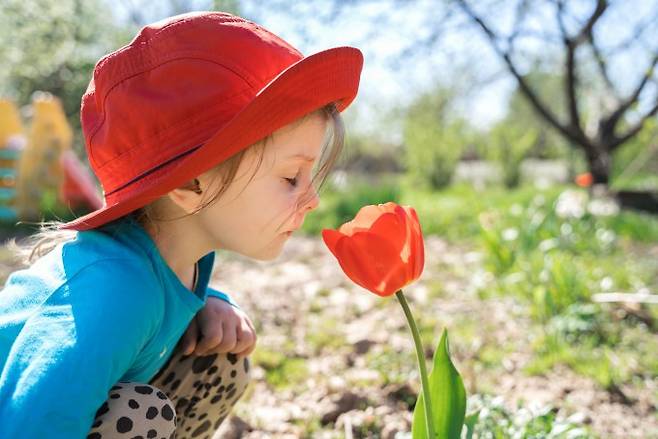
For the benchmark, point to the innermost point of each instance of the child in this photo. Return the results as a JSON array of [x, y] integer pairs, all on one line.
[[96, 334]]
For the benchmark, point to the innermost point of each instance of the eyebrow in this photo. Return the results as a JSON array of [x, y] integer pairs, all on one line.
[[301, 157]]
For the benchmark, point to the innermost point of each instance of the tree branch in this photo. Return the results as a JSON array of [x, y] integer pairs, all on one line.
[[603, 66], [608, 124], [525, 88], [585, 32], [570, 74], [634, 129]]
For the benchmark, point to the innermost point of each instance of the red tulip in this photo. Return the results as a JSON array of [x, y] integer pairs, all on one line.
[[381, 249]]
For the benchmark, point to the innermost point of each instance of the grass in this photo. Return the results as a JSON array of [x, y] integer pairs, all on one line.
[[281, 369], [393, 367], [325, 334], [456, 213]]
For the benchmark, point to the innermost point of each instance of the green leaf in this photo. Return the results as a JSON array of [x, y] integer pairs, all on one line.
[[448, 398]]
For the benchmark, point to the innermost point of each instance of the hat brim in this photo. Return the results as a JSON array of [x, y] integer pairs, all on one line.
[[331, 75]]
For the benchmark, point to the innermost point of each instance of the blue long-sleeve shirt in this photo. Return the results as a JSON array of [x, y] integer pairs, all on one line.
[[103, 308]]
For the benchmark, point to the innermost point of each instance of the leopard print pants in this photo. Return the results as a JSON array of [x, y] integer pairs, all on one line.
[[188, 398]]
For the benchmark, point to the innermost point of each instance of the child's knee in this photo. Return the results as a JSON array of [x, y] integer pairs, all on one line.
[[240, 372], [137, 409], [227, 365], [226, 372]]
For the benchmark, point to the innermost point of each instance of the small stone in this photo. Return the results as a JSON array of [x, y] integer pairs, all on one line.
[[234, 428], [363, 346], [344, 403]]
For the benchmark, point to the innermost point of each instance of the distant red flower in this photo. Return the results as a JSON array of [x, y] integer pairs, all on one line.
[[381, 249], [584, 180]]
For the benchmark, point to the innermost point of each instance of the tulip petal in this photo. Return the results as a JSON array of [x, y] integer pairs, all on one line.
[[365, 217], [408, 242], [350, 256], [389, 227], [331, 238], [417, 244], [405, 228], [372, 262]]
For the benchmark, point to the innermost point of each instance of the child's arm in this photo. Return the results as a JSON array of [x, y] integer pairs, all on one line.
[[75, 348]]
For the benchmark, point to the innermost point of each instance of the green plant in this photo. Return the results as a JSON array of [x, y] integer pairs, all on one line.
[[560, 285], [580, 321], [490, 419], [508, 144], [281, 370], [434, 140], [325, 334]]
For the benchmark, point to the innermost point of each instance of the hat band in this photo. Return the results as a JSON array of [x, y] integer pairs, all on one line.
[[152, 170]]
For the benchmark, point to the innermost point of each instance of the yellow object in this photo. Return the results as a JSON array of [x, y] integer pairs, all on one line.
[[39, 170], [10, 121], [11, 141]]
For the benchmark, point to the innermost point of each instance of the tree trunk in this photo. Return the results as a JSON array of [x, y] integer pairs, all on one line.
[[599, 165]]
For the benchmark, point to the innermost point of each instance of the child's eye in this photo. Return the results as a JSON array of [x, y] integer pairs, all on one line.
[[292, 181]]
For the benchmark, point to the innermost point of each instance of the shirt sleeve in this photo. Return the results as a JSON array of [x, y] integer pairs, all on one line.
[[211, 292], [78, 344]]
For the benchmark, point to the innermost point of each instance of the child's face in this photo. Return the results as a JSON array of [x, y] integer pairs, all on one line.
[[252, 217]]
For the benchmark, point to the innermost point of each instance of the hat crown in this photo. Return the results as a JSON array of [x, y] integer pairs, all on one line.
[[175, 84]]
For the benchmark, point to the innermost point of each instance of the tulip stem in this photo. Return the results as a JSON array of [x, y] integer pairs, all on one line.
[[421, 363]]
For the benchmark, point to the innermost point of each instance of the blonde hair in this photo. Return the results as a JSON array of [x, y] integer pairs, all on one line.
[[50, 234]]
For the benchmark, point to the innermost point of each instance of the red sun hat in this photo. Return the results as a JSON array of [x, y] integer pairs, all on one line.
[[190, 91]]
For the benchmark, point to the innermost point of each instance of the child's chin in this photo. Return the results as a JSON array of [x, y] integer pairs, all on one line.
[[267, 255]]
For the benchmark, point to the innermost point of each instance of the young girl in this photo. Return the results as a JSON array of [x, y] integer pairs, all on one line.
[[206, 132]]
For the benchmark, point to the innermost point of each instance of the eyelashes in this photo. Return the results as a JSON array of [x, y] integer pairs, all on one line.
[[294, 181]]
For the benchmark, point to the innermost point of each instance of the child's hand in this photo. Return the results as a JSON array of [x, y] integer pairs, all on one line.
[[219, 327]]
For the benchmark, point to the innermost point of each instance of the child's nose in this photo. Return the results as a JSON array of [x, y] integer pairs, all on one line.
[[311, 200]]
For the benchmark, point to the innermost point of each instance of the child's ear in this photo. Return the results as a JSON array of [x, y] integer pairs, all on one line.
[[187, 197]]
